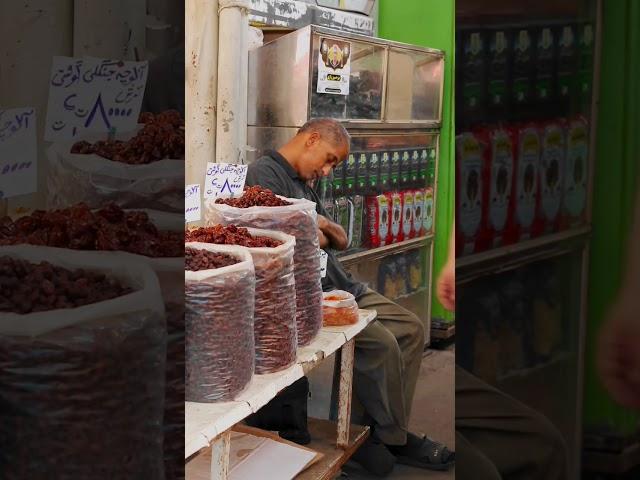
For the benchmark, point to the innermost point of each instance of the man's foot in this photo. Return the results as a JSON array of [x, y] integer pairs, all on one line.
[[375, 457], [422, 452]]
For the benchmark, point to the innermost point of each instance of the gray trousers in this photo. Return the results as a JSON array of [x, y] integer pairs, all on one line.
[[388, 354], [498, 437]]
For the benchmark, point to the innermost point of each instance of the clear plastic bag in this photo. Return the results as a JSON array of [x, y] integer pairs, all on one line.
[[81, 390], [170, 272], [219, 347], [339, 308], [97, 181], [275, 309], [301, 221]]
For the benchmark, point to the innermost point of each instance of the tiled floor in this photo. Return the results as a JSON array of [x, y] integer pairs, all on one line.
[[433, 412]]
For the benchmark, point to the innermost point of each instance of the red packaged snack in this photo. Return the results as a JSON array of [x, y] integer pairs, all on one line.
[[498, 178], [576, 176], [408, 197], [378, 224], [395, 199], [469, 193], [526, 197], [418, 212], [552, 167]]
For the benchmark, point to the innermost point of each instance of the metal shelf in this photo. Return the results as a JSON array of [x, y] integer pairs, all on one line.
[[512, 256], [381, 252]]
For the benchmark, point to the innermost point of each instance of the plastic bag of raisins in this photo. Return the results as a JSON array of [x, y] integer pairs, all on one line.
[[301, 221], [83, 387], [170, 272], [220, 347], [97, 180], [275, 328]]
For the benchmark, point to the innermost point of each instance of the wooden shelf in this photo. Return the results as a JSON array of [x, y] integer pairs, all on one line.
[[511, 256], [206, 421], [381, 252], [323, 440], [559, 359], [611, 463], [443, 333]]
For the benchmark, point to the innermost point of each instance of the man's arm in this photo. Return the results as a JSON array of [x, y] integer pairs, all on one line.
[[446, 287], [631, 280], [618, 358], [334, 234]]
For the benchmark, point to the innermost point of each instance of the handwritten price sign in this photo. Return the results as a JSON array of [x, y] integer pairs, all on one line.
[[18, 152], [224, 180], [94, 95], [192, 203]]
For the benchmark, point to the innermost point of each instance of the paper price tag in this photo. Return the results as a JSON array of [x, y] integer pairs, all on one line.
[[192, 203], [224, 180], [93, 94], [18, 152], [324, 258]]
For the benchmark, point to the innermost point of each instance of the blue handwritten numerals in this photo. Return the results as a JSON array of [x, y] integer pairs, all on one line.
[[12, 122], [15, 167], [224, 179]]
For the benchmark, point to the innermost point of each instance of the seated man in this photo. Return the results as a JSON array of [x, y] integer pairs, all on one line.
[[388, 352], [498, 437]]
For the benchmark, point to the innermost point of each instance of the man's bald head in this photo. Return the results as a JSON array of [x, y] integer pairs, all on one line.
[[329, 130], [319, 145]]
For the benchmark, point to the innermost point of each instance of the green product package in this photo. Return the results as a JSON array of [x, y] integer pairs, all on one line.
[[358, 224]]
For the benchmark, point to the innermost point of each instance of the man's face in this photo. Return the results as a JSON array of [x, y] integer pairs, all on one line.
[[320, 156]]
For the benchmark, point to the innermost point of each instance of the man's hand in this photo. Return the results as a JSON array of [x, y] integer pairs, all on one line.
[[446, 288], [334, 233], [618, 359], [324, 241]]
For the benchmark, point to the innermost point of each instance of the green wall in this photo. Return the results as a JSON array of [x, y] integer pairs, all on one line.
[[431, 23], [616, 173]]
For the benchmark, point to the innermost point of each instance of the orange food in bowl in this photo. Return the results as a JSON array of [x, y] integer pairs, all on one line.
[[339, 308]]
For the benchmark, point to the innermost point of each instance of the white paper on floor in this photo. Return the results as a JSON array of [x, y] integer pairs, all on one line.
[[266, 459]]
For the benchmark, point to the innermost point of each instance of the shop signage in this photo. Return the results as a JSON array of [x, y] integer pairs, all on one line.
[[224, 180], [18, 152], [192, 203], [334, 66], [93, 95]]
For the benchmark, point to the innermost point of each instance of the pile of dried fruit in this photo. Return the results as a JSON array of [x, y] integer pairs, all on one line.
[[275, 326], [219, 343], [161, 137], [196, 260], [80, 228], [58, 386], [299, 221], [255, 197], [26, 287], [229, 235]]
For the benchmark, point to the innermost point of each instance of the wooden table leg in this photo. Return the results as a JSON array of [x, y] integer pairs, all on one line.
[[220, 457], [344, 399]]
